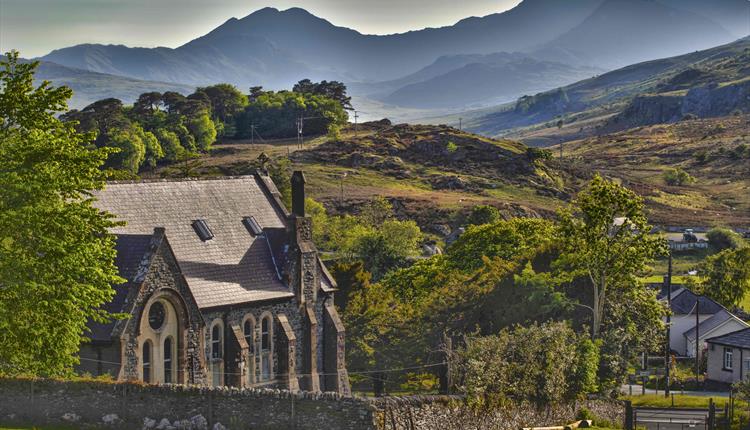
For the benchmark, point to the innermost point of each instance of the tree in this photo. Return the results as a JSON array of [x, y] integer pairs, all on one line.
[[56, 254], [678, 177], [388, 247], [604, 239], [333, 90], [226, 101], [724, 238], [726, 276]]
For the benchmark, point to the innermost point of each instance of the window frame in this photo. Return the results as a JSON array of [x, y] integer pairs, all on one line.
[[147, 362], [168, 359], [217, 353], [728, 359], [266, 353]]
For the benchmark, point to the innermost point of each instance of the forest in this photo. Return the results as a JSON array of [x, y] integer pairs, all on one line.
[[170, 127]]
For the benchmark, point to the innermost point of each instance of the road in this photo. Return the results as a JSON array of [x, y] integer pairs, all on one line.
[[637, 390]]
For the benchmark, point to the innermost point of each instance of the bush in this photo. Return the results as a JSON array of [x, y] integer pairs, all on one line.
[[724, 238], [678, 177], [538, 363], [483, 214]]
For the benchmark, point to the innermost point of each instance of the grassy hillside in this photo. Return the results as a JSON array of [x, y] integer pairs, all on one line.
[[716, 152], [706, 83], [432, 172]]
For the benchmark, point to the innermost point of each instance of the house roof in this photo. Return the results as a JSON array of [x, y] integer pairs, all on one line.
[[683, 303], [739, 338], [715, 321], [231, 268]]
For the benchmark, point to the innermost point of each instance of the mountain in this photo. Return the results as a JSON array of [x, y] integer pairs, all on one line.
[[731, 14], [91, 86], [708, 83], [486, 80], [622, 32], [276, 48]]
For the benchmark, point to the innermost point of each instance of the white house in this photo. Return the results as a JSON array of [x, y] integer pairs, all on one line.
[[684, 304], [729, 357], [723, 322]]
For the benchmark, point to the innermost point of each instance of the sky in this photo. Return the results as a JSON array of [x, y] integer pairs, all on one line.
[[35, 27]]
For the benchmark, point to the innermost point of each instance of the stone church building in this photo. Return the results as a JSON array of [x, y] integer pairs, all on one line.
[[224, 287]]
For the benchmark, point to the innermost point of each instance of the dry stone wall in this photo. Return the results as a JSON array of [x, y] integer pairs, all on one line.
[[104, 405]]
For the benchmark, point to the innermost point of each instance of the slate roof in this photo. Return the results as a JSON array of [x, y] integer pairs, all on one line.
[[740, 339], [235, 266], [711, 323], [683, 303], [132, 257]]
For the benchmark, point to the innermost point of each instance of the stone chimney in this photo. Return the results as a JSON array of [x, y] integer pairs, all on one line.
[[298, 193]]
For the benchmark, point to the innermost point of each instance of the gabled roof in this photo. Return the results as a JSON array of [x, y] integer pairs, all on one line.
[[739, 338], [683, 303], [231, 268], [132, 261], [715, 321]]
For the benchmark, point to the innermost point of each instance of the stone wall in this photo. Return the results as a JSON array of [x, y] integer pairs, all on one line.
[[95, 405], [452, 413]]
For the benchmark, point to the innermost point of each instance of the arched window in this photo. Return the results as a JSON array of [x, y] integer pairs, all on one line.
[[216, 341], [266, 340], [147, 361], [248, 331], [217, 352], [168, 368]]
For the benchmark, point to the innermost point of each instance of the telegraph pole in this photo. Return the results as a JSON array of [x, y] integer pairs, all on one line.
[[697, 337], [460, 124], [668, 352]]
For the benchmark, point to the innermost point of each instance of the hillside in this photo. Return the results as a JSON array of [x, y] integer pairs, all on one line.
[[429, 171], [89, 87], [703, 83], [716, 152]]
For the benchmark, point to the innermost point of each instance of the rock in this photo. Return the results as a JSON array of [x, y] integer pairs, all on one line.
[[218, 426], [431, 249], [71, 417], [148, 423], [110, 419], [163, 424], [183, 425], [199, 422]]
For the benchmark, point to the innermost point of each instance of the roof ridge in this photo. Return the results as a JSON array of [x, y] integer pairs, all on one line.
[[192, 179]]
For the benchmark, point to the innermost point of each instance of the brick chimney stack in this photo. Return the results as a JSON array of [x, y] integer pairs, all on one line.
[[298, 193]]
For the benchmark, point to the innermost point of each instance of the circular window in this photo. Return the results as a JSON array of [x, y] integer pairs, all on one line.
[[156, 315]]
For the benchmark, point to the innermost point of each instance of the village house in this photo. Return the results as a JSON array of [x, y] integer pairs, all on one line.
[[729, 357], [712, 320], [223, 286]]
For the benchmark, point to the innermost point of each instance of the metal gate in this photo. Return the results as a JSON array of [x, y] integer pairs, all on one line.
[[673, 418]]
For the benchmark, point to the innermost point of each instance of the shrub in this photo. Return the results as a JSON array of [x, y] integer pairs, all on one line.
[[677, 177], [535, 363], [483, 214], [452, 147], [724, 238]]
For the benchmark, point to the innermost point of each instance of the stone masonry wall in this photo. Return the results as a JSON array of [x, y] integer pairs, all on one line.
[[103, 405]]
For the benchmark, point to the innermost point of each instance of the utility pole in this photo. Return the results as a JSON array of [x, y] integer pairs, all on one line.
[[697, 337], [460, 124], [668, 352], [356, 116]]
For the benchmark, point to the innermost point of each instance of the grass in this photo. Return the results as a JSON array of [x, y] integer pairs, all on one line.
[[680, 401]]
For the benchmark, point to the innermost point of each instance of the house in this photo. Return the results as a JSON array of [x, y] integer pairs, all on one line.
[[721, 323], [687, 240], [729, 357], [683, 305], [224, 286]]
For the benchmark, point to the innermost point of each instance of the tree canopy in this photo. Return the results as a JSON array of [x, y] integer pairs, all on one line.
[[56, 255]]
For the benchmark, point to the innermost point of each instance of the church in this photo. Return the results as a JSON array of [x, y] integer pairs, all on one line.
[[224, 287]]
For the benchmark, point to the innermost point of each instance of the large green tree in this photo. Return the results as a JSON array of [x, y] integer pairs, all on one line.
[[726, 276], [56, 255], [605, 242]]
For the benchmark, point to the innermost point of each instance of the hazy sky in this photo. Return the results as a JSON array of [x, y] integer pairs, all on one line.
[[35, 27]]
